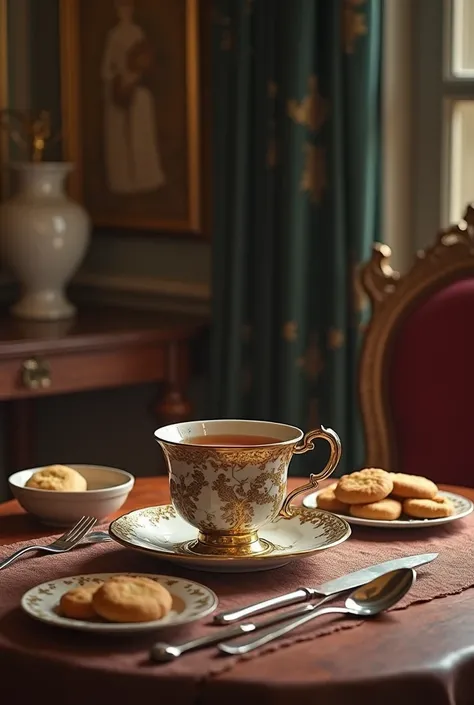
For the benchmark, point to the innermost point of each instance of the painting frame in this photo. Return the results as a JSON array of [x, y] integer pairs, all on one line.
[[4, 94], [71, 102]]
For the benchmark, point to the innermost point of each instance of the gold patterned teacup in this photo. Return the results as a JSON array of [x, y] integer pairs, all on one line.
[[228, 478]]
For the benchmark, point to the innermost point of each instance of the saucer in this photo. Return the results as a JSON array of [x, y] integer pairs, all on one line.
[[191, 601], [159, 531], [462, 507]]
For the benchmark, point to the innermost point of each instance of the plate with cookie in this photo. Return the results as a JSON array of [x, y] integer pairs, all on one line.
[[119, 602], [375, 497]]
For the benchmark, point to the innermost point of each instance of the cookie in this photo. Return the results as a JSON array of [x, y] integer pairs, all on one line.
[[58, 478], [77, 603], [364, 487], [412, 486], [332, 486], [129, 599], [435, 508], [327, 500], [384, 509]]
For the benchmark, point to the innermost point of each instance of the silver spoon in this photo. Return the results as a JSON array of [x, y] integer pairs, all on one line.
[[368, 600]]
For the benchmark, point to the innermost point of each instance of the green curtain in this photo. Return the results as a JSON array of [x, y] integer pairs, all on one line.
[[296, 130]]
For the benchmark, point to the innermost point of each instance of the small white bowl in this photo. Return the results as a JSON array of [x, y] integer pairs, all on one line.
[[108, 488]]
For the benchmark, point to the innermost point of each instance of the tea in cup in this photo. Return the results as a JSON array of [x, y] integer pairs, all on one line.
[[228, 478]]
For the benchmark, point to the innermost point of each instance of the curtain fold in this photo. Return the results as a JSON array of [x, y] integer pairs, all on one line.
[[296, 129]]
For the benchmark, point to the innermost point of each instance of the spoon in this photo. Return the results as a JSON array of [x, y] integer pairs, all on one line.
[[368, 600], [163, 652]]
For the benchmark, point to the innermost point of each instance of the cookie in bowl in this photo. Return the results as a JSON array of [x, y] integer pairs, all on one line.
[[52, 494], [58, 478]]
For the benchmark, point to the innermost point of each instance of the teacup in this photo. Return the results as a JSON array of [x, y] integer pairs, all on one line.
[[228, 477]]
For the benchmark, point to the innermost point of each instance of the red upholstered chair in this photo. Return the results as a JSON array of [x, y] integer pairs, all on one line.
[[416, 381]]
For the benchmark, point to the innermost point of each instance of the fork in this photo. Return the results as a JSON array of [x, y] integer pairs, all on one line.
[[61, 545]]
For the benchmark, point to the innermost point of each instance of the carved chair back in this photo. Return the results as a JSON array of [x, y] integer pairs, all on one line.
[[416, 375]]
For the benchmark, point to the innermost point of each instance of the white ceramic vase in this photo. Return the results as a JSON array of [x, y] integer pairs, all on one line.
[[43, 239]]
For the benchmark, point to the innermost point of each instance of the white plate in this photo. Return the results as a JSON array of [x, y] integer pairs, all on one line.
[[191, 601], [161, 532], [462, 507]]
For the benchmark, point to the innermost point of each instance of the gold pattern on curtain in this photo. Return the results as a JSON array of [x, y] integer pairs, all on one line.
[[312, 112], [354, 24]]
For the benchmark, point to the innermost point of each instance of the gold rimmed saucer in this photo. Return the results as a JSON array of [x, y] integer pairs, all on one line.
[[161, 532]]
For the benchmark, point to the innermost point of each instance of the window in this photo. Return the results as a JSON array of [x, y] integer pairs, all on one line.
[[442, 115], [428, 120], [458, 87]]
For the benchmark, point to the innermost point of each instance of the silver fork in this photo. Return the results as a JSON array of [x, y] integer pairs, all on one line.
[[61, 545]]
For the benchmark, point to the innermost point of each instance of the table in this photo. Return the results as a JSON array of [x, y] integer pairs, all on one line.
[[101, 347], [406, 659]]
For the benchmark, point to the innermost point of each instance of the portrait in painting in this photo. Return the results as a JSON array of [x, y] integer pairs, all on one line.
[[130, 110], [132, 153]]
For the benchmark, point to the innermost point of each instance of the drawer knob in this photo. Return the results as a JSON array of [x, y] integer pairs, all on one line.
[[35, 374]]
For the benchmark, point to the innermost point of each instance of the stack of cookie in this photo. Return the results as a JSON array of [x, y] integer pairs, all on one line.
[[122, 598], [373, 493]]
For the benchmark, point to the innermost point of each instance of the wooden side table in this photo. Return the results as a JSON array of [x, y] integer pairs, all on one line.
[[102, 347]]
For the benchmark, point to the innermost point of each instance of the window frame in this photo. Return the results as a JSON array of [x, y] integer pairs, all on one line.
[[455, 88], [436, 90]]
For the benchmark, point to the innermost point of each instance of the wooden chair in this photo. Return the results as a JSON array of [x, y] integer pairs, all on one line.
[[416, 375]]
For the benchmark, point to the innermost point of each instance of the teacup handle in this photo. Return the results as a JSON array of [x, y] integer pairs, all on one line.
[[308, 444]]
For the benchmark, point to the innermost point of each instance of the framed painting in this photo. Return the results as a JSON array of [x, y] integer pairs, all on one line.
[[130, 111], [4, 102]]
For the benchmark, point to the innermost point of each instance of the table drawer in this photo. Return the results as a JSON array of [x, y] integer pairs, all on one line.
[[75, 372]]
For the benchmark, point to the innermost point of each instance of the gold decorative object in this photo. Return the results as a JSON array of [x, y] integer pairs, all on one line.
[[36, 374], [308, 444], [393, 297], [229, 493], [30, 131]]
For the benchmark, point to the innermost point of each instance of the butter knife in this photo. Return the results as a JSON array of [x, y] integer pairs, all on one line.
[[332, 587]]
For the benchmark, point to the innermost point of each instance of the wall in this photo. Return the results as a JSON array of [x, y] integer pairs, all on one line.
[[110, 427]]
